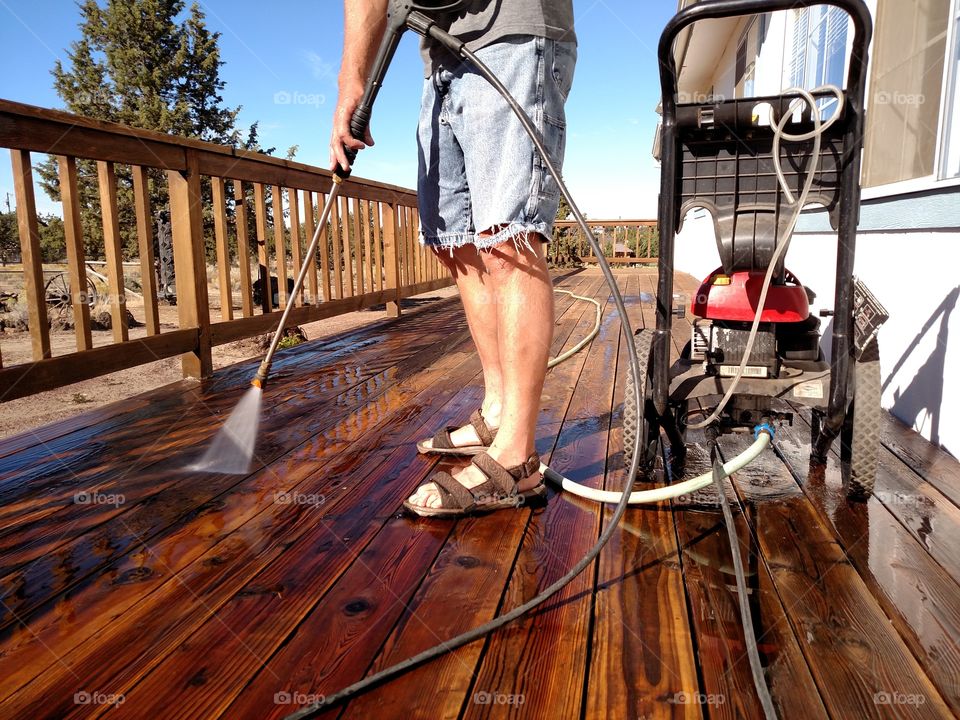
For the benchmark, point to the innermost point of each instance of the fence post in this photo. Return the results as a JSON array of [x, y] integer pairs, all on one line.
[[391, 257], [190, 264], [33, 287]]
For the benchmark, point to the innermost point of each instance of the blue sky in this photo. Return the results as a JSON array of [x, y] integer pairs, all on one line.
[[281, 61]]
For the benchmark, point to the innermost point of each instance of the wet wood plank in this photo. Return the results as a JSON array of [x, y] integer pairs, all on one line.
[[259, 624], [462, 574], [917, 594], [350, 427], [935, 466], [205, 596], [541, 658], [856, 657], [343, 387], [642, 657]]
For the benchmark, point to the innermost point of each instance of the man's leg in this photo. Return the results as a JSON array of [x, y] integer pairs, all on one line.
[[479, 303], [517, 277]]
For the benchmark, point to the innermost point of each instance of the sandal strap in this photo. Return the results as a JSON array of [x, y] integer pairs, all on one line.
[[452, 493], [504, 480], [484, 431], [442, 440]]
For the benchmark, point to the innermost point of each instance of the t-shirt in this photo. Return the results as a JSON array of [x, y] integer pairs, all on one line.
[[483, 22]]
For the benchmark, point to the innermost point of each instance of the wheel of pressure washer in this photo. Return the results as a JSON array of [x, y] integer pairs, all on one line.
[[636, 421], [860, 434]]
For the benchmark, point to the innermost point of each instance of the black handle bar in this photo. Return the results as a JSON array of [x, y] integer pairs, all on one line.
[[714, 9]]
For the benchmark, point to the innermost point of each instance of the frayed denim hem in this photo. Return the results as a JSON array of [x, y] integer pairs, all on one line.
[[518, 232]]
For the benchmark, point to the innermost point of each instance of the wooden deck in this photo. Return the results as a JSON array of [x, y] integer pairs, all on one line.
[[132, 588]]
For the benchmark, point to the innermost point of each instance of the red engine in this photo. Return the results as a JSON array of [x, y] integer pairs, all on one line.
[[735, 298]]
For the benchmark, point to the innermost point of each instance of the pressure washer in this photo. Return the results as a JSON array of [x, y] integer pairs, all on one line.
[[754, 340]]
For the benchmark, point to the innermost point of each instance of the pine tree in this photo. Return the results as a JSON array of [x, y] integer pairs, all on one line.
[[148, 64]]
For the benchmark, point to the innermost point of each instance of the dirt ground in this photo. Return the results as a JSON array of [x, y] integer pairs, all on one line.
[[17, 416]]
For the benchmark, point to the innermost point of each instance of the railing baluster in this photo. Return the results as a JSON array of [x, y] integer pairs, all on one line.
[[367, 245], [30, 253], [309, 228], [148, 279], [336, 257], [391, 258], [280, 245], [113, 253], [186, 219], [223, 248], [243, 248], [73, 235], [296, 251], [358, 245], [377, 242], [415, 234], [263, 249], [347, 245], [402, 276], [324, 242]]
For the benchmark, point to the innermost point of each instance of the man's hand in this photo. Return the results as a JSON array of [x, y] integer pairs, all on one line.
[[363, 26], [349, 98]]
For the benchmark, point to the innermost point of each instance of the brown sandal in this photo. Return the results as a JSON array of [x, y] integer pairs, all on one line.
[[498, 492], [442, 444]]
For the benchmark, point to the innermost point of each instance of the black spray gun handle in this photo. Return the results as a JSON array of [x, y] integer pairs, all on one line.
[[401, 15]]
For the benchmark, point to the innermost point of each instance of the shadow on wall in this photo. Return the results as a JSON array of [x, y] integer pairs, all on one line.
[[924, 393]]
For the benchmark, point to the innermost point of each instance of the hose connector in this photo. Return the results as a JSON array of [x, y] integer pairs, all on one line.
[[261, 377], [764, 427]]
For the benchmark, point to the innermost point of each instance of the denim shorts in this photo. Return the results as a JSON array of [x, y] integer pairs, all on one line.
[[478, 169]]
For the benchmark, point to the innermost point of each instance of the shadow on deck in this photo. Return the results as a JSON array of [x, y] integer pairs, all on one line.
[[133, 588]]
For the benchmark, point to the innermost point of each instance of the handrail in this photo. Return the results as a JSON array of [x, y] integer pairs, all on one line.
[[634, 232], [369, 253]]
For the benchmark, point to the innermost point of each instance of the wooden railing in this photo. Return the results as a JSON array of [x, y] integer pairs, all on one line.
[[625, 242], [368, 254]]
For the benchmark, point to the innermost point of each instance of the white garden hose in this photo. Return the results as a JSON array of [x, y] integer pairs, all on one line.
[[764, 433], [587, 340]]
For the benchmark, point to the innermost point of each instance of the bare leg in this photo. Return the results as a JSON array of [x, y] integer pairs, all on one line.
[[479, 302], [523, 297]]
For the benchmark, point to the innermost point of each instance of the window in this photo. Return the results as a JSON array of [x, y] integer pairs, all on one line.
[[950, 153], [903, 105], [748, 51], [818, 52]]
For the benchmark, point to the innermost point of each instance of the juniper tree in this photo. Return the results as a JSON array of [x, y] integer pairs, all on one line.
[[149, 64]]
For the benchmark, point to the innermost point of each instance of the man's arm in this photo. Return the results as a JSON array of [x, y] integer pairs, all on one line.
[[364, 22]]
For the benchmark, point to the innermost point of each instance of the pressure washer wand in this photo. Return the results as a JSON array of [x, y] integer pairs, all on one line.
[[264, 370]]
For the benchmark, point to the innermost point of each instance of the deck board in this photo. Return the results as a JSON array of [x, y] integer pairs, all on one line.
[[204, 596]]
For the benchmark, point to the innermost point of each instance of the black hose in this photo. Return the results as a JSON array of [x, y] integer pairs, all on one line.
[[465, 638], [746, 619]]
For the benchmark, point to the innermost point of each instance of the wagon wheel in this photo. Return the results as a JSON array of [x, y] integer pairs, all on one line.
[[58, 295]]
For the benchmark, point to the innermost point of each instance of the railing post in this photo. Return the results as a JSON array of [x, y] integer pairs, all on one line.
[[30, 253], [391, 257], [190, 264]]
